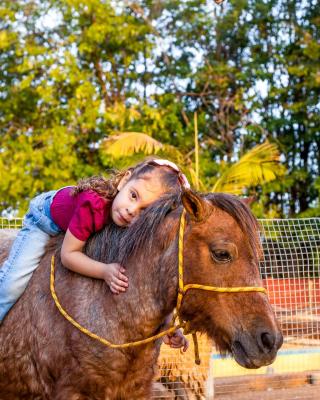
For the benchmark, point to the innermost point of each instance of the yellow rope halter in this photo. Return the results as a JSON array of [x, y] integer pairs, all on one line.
[[181, 292], [184, 288]]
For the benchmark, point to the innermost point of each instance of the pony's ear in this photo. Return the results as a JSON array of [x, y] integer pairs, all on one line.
[[196, 206]]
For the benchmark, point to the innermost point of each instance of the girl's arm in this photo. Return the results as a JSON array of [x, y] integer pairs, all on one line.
[[73, 258]]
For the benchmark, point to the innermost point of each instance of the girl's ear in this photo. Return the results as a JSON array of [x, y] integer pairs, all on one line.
[[124, 180], [196, 206]]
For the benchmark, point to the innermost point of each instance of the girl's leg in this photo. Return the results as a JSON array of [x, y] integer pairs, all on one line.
[[24, 257]]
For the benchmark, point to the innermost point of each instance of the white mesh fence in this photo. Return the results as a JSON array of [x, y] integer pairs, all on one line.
[[290, 270], [291, 273]]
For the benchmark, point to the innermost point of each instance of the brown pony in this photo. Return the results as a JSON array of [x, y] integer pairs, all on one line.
[[42, 356]]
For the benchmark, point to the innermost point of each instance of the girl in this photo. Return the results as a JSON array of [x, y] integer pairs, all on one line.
[[79, 212]]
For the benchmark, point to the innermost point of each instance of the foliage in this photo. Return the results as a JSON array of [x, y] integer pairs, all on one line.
[[129, 143]]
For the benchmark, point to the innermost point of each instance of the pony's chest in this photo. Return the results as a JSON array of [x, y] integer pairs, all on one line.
[[130, 376]]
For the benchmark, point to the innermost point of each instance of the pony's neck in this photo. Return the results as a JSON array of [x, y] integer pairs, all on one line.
[[154, 274]]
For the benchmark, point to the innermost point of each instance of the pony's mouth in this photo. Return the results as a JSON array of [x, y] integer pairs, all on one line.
[[247, 353], [241, 355]]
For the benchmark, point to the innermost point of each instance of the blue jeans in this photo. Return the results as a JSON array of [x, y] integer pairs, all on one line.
[[27, 250]]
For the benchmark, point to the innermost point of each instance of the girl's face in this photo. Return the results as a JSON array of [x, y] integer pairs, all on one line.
[[134, 196]]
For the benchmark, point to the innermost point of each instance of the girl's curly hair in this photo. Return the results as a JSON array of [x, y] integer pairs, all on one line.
[[108, 187], [105, 187]]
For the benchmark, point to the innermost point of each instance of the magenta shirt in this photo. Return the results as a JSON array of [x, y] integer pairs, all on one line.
[[83, 214]]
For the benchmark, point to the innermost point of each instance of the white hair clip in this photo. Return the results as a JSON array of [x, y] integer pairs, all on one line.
[[182, 178]]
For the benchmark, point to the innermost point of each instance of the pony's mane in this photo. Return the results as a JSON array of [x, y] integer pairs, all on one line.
[[115, 244]]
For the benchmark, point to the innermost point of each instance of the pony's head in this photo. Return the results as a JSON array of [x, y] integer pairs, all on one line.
[[222, 249]]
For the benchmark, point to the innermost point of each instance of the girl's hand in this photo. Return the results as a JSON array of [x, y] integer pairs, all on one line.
[[115, 278], [176, 340]]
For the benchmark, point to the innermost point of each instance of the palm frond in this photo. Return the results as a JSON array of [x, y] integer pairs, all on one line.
[[128, 143], [259, 165]]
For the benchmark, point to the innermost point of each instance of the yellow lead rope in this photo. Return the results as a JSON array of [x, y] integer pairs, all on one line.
[[181, 291], [224, 289], [93, 335]]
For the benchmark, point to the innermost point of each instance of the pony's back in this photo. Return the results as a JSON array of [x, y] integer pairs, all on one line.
[[41, 352]]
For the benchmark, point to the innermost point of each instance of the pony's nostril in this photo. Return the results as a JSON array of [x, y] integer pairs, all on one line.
[[268, 341]]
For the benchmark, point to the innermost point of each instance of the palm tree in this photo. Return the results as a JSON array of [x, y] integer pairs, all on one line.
[[258, 166]]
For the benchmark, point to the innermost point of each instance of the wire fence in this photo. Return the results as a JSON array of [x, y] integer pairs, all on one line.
[[290, 269]]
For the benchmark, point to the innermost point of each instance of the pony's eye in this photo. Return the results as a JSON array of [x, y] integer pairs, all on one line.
[[133, 195], [221, 256]]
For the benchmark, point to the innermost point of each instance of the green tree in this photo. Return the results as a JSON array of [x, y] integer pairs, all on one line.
[[286, 54], [61, 87], [248, 68]]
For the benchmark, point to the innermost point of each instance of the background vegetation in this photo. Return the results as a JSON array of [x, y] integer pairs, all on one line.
[[76, 74]]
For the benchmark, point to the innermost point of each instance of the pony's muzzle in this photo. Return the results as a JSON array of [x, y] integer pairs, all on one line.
[[257, 351]]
